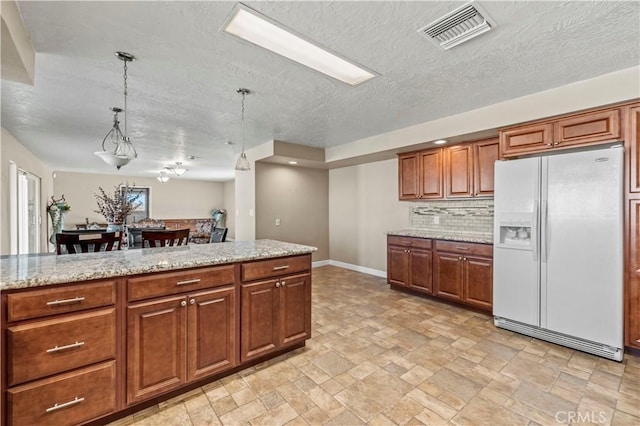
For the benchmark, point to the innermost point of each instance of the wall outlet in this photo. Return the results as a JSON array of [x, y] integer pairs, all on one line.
[[277, 222], [436, 220], [250, 212]]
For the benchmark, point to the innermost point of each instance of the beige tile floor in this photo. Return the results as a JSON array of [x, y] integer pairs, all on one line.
[[382, 357]]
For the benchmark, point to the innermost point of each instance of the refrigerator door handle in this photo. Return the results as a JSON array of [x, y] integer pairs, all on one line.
[[534, 230], [543, 234]]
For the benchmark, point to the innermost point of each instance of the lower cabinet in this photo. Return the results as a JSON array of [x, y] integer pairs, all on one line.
[[632, 291], [275, 313], [455, 271], [175, 340], [409, 263]]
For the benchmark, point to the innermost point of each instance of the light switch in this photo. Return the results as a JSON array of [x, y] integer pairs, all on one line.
[[250, 212], [277, 222]]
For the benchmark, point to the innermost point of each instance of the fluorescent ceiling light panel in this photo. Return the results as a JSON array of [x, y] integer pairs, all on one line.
[[255, 29]]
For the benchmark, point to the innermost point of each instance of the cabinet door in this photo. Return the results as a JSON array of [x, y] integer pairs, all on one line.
[[634, 151], [259, 319], [526, 139], [421, 276], [430, 174], [397, 265], [478, 282], [211, 329], [586, 128], [448, 275], [632, 308], [408, 179], [156, 340], [459, 171], [486, 153], [295, 309]]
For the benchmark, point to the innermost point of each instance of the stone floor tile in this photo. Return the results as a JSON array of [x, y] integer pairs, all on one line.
[[403, 411], [332, 363], [481, 411], [204, 416], [363, 370], [280, 415], [621, 418], [243, 396], [346, 417], [381, 420], [244, 414], [223, 405], [440, 408]]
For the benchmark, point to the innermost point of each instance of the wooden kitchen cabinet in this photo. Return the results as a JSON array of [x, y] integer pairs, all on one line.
[[409, 263], [174, 340], [469, 169], [463, 272], [59, 364], [632, 291], [633, 133], [586, 128], [276, 311], [455, 271], [420, 175]]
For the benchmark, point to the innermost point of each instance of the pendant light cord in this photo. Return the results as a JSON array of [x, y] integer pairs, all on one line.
[[125, 99], [243, 95]]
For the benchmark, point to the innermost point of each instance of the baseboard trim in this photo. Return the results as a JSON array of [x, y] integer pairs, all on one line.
[[357, 268], [319, 263]]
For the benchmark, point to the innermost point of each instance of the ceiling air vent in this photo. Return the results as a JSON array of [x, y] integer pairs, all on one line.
[[458, 26]]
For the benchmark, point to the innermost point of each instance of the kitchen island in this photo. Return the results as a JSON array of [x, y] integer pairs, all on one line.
[[95, 336]]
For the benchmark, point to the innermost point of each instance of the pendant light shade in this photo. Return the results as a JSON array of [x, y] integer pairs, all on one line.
[[243, 163], [123, 151]]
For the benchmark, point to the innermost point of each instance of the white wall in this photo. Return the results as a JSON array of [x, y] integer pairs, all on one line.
[[230, 205], [363, 204], [11, 150], [175, 199], [298, 198]]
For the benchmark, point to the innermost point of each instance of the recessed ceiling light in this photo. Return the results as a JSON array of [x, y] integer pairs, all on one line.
[[228, 143], [293, 162], [440, 142], [257, 29]]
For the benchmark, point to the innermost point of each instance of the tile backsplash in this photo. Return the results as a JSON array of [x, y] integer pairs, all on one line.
[[468, 216]]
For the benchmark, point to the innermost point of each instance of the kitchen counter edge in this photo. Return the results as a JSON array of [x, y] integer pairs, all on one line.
[[440, 235], [28, 271]]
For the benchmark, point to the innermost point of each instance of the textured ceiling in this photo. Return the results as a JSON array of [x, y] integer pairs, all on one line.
[[182, 90]]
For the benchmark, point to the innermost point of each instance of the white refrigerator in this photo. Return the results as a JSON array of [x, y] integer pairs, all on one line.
[[558, 259]]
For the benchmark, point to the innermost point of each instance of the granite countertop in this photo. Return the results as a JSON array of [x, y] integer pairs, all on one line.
[[22, 271], [468, 237]]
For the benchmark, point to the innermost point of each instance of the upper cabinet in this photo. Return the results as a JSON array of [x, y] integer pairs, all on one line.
[[459, 171], [634, 151], [579, 129], [420, 175]]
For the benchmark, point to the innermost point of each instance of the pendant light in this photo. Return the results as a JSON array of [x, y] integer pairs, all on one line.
[[243, 163], [123, 151], [163, 178]]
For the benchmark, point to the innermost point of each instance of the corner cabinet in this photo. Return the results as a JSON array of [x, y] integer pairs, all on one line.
[[565, 132], [455, 271], [275, 305]]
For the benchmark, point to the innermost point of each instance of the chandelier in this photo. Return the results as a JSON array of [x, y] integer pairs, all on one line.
[[122, 151], [178, 170], [243, 163]]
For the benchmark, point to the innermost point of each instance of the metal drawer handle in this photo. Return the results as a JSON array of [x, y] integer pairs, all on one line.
[[55, 407], [65, 301], [65, 347], [280, 268], [193, 281], [462, 248]]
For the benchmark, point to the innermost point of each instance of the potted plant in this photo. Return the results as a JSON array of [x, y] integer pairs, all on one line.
[[115, 208], [57, 209]]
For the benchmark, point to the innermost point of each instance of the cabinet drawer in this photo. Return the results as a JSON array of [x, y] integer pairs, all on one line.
[[51, 346], [424, 243], [465, 248], [169, 283], [60, 300], [66, 399], [275, 267]]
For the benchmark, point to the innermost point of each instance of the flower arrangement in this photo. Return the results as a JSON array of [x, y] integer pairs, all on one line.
[[115, 208], [58, 205]]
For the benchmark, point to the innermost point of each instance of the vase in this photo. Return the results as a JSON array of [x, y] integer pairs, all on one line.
[[118, 227], [57, 222]]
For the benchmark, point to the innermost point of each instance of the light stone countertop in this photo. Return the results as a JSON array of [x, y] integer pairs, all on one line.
[[445, 235], [23, 271]]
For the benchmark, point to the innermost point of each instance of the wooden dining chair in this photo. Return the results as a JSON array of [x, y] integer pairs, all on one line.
[[87, 242], [176, 237], [218, 235]]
